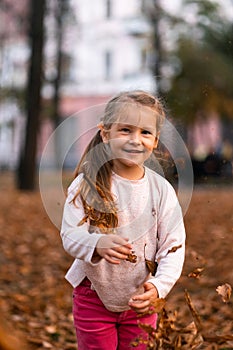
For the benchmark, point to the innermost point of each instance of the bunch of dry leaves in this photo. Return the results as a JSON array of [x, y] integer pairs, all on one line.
[[196, 335]]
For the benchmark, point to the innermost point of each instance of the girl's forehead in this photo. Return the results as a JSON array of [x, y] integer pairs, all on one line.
[[140, 116]]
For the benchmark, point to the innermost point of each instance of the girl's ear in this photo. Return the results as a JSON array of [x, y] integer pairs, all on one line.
[[156, 141], [103, 133]]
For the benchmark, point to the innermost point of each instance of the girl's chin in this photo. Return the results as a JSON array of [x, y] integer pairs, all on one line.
[[127, 163], [130, 170]]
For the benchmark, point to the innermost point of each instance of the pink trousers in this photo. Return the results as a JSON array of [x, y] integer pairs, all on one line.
[[100, 329]]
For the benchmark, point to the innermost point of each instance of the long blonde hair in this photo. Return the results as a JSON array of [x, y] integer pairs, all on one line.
[[96, 164]]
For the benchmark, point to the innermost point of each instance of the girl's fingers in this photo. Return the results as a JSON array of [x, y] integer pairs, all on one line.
[[112, 261], [116, 255], [122, 250], [140, 306], [113, 241], [113, 248], [121, 242]]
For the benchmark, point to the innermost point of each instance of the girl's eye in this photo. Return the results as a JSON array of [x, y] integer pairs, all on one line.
[[146, 132], [126, 130]]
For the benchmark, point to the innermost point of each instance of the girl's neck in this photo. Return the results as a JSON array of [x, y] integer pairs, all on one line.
[[130, 173]]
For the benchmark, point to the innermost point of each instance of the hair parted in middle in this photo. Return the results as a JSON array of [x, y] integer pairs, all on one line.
[[96, 163]]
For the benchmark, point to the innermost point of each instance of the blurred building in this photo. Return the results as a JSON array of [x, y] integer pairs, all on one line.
[[106, 48], [11, 128], [14, 53], [109, 50]]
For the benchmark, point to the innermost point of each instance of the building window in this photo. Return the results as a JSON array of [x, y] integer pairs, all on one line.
[[108, 65], [108, 8]]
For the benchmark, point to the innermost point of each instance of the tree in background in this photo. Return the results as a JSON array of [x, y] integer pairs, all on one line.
[[27, 164], [37, 78], [62, 11], [192, 57], [203, 76], [154, 13]]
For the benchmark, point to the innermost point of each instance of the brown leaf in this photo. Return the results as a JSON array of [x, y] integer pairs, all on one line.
[[225, 292], [196, 316], [191, 337], [47, 345], [152, 266], [146, 327], [174, 249], [196, 273], [155, 308], [158, 304], [51, 329], [84, 219], [132, 257]]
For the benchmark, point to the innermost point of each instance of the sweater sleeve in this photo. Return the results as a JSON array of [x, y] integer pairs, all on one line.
[[171, 242], [77, 241]]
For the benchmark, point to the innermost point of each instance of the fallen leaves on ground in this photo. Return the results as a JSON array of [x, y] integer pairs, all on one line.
[[36, 301], [225, 292]]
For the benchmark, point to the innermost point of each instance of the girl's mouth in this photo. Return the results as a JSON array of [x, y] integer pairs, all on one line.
[[133, 151]]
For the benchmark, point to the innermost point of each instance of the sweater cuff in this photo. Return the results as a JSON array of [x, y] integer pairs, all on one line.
[[162, 292], [95, 258]]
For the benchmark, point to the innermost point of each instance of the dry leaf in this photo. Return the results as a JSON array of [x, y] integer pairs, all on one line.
[[225, 292], [51, 329], [132, 257], [174, 249], [47, 345], [83, 221], [152, 266], [196, 316], [196, 273], [146, 327], [158, 304], [155, 308]]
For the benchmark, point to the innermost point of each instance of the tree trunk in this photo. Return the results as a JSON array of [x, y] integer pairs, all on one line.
[[27, 163], [157, 47], [61, 9]]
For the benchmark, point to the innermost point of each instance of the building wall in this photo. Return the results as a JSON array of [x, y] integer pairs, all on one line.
[[110, 51], [107, 43], [11, 129]]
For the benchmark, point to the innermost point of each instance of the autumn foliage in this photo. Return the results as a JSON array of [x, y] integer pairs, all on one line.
[[36, 301]]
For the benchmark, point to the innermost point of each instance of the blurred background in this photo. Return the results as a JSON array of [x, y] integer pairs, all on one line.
[[59, 57]]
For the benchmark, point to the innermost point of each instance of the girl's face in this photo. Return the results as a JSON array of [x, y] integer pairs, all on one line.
[[132, 139]]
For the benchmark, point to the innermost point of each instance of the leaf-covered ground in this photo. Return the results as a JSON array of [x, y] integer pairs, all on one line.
[[35, 300]]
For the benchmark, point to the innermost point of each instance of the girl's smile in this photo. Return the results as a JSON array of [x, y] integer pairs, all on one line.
[[133, 151], [132, 139]]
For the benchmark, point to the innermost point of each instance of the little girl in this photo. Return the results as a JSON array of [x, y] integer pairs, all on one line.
[[119, 214]]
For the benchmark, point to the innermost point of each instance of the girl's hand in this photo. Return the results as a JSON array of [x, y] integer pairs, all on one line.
[[141, 303], [113, 248]]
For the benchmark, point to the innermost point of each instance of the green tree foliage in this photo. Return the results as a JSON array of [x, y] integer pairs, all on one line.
[[203, 78]]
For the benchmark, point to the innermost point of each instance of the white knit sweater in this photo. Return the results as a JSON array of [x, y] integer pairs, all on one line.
[[150, 216]]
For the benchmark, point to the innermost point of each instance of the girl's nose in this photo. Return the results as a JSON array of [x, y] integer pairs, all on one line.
[[135, 138]]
